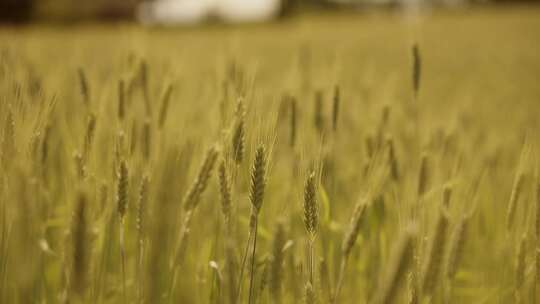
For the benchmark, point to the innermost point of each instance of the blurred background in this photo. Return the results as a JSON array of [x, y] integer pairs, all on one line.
[[195, 11]]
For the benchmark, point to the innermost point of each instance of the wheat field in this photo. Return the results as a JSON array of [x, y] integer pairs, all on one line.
[[346, 158]]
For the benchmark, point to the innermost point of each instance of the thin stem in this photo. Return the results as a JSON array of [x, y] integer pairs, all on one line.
[[173, 283], [140, 270], [3, 251], [179, 253], [244, 257], [106, 253], [253, 261], [340, 280], [310, 261], [123, 257]]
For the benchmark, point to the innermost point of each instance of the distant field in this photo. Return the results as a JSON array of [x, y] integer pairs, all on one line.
[[137, 163]]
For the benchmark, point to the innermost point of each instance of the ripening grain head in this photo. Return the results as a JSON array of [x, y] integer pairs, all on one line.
[[311, 208], [258, 179]]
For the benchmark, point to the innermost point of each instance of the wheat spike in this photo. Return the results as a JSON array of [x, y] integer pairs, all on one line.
[[190, 202], [348, 243], [192, 197], [122, 190], [256, 196], [354, 228], [44, 150], [141, 206], [238, 139], [311, 209], [258, 179], [83, 84], [417, 68], [89, 137], [225, 190]]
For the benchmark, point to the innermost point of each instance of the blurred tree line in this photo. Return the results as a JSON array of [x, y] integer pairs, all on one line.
[[17, 11]]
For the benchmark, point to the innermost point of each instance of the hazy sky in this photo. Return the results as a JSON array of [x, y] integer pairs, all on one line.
[[193, 11]]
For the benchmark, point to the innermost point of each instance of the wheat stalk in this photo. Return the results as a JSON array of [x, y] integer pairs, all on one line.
[[348, 243], [434, 256], [190, 202], [225, 191], [256, 196], [456, 246], [537, 232], [276, 269], [447, 195], [520, 269], [514, 199], [396, 272]]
